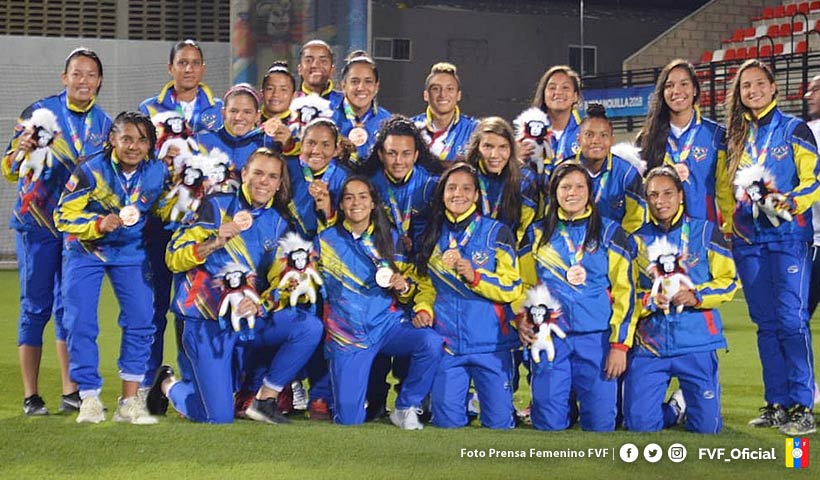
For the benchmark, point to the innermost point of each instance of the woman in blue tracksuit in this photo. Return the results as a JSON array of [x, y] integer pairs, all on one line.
[[772, 161], [679, 331], [363, 269], [358, 116], [102, 213], [586, 262], [38, 243], [509, 192], [240, 135], [676, 134], [616, 184], [468, 275], [200, 252]]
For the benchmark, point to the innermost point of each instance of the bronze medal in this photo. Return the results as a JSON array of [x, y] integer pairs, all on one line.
[[683, 171], [383, 276], [358, 136], [576, 275], [243, 219], [450, 257], [129, 215]]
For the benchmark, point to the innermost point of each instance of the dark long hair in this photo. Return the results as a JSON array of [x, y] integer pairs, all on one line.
[[137, 119], [399, 125], [509, 211], [429, 238], [538, 97], [382, 229], [550, 221], [655, 132], [737, 125]]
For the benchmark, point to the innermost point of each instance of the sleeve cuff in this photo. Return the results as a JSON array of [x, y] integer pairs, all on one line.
[[476, 279], [619, 346]]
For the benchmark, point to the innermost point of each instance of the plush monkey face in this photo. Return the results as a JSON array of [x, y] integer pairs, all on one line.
[[219, 173], [299, 259], [536, 129], [538, 314], [756, 191], [307, 114], [175, 125], [43, 137], [234, 279], [667, 263], [192, 177]]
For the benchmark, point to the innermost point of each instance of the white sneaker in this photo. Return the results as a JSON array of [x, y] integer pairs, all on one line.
[[406, 418], [132, 410], [473, 407], [678, 403], [300, 398], [91, 411]]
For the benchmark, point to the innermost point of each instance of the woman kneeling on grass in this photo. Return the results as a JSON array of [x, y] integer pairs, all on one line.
[[230, 249], [679, 331]]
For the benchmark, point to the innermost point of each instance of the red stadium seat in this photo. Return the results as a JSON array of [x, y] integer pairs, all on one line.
[[797, 27], [774, 31], [779, 11], [751, 52], [785, 30], [749, 33], [778, 49], [706, 57], [738, 35], [791, 10], [803, 8], [766, 51], [814, 6], [801, 47], [730, 54], [817, 25], [768, 12]]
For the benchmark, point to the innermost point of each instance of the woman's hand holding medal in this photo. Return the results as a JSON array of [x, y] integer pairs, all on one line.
[[109, 223]]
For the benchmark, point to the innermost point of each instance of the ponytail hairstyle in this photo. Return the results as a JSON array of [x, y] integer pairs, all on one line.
[[278, 67], [738, 116], [653, 137]]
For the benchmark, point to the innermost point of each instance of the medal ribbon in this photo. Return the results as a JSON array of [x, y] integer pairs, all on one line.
[[598, 187], [370, 250], [441, 149], [127, 184], [576, 253], [683, 154], [309, 176], [465, 237], [487, 208], [751, 145], [684, 240], [78, 141], [401, 214]]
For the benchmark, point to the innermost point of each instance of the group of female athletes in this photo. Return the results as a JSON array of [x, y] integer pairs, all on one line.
[[335, 242]]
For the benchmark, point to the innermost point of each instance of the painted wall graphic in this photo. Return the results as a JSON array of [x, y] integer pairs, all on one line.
[[266, 30]]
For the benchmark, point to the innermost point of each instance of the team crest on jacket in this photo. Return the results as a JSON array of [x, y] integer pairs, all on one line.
[[691, 261], [209, 119], [780, 152], [481, 257], [96, 139], [699, 153], [593, 245], [575, 148], [269, 245]]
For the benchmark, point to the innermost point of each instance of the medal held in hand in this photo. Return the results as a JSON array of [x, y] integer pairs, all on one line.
[[576, 275], [358, 136], [243, 219], [383, 276], [450, 257], [129, 215]]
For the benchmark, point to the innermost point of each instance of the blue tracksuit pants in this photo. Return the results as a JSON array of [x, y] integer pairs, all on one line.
[[775, 278], [647, 379], [210, 350], [350, 370], [39, 259]]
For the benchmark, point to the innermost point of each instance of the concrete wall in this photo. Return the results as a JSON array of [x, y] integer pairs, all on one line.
[[703, 30], [500, 56]]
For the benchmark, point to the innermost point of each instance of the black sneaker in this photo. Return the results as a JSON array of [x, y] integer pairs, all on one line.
[[156, 402], [267, 411], [772, 415], [801, 422], [70, 403], [34, 406]]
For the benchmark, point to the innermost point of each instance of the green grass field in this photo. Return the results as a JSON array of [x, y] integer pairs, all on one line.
[[57, 447]]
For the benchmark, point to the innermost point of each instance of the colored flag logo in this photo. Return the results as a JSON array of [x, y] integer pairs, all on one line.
[[797, 452]]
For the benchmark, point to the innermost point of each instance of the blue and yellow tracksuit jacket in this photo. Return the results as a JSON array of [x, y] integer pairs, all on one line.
[[709, 265], [97, 188], [473, 315], [456, 138], [371, 121], [358, 312], [83, 132], [560, 150], [302, 208], [207, 109], [238, 149], [606, 301], [408, 196], [617, 190], [492, 187], [792, 161], [198, 293], [706, 154], [335, 97]]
